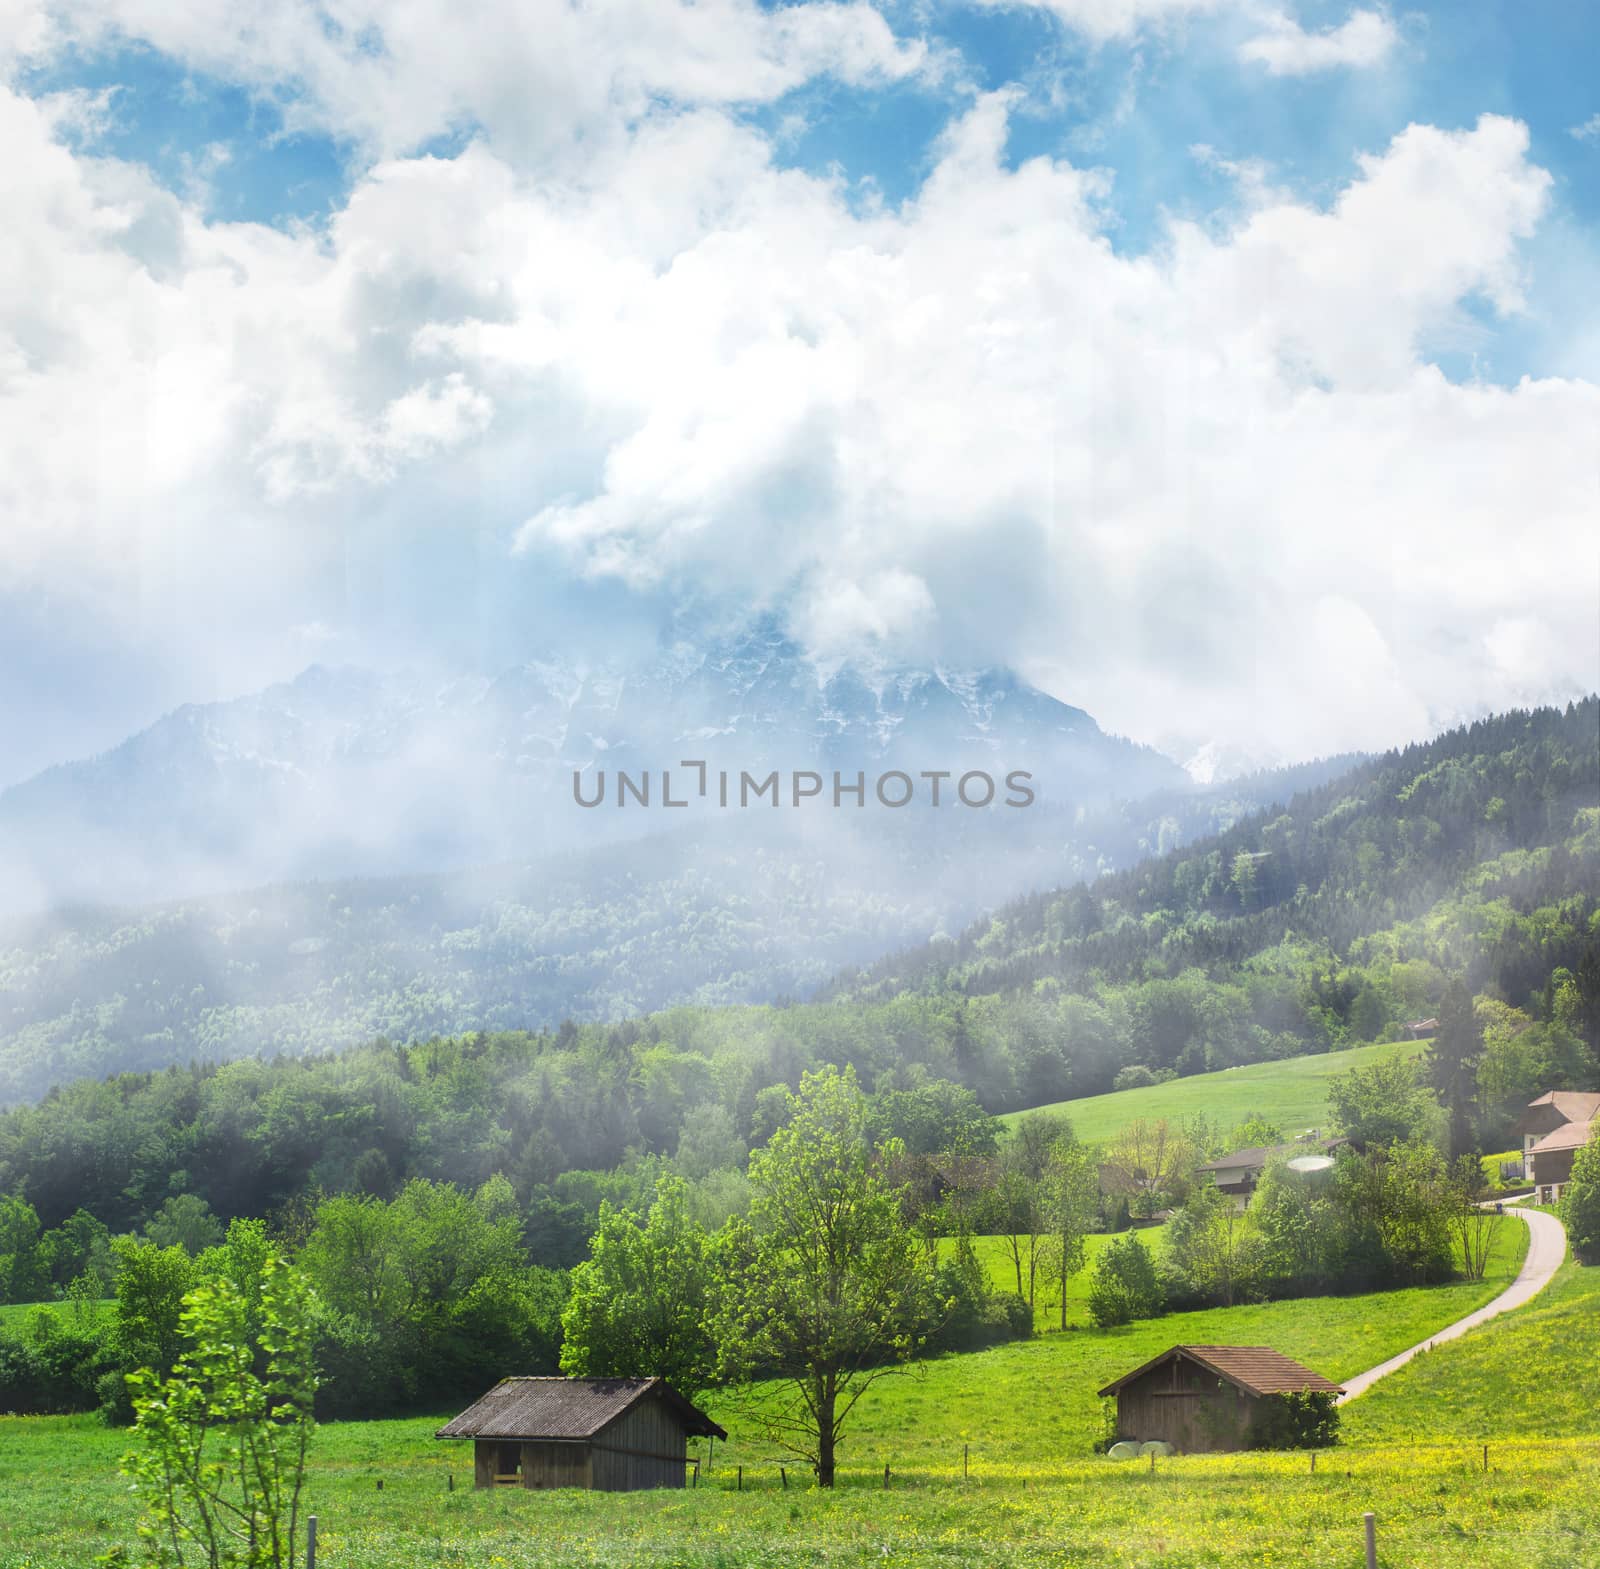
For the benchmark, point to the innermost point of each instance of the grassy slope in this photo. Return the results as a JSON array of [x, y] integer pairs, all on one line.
[[1532, 1374], [1037, 1497], [1292, 1094]]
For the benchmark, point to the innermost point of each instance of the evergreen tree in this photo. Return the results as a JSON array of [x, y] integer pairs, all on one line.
[[1452, 1065]]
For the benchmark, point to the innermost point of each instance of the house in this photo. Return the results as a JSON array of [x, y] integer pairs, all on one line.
[[1553, 1129], [1237, 1174], [1422, 1029], [609, 1434], [1207, 1398]]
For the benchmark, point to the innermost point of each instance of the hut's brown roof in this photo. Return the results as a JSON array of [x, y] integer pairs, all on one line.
[[1257, 1369], [573, 1409]]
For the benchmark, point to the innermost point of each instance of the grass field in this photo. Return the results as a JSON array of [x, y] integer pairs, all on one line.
[[1027, 1415], [1292, 1094], [1534, 1372]]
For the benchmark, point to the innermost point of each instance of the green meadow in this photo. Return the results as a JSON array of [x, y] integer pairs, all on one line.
[[1023, 1418], [1291, 1094]]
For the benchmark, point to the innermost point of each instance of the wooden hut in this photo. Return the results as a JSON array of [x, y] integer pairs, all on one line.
[[609, 1434], [1200, 1398]]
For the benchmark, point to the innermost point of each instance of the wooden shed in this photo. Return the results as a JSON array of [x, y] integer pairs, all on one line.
[[610, 1434], [1200, 1398]]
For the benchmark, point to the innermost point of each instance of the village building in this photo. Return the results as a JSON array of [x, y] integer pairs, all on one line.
[[1553, 1129], [611, 1435], [1207, 1398], [1238, 1174]]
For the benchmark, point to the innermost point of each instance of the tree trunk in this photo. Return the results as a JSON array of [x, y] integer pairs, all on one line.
[[825, 1432], [1063, 1281]]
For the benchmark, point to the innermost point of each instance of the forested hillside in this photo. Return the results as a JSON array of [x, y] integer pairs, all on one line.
[[745, 910], [1331, 921]]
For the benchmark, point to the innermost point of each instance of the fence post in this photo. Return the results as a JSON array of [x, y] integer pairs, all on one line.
[[1152, 1462], [311, 1543], [1313, 1462], [965, 1451], [1486, 1459], [1370, 1520], [783, 1476], [739, 1482], [380, 1484], [695, 1480], [450, 1482], [886, 1476]]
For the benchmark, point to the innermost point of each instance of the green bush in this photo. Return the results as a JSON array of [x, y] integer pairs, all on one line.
[[1580, 1204], [1125, 1286], [1308, 1420]]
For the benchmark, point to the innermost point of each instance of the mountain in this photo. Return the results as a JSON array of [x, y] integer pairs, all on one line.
[[350, 772], [1338, 912]]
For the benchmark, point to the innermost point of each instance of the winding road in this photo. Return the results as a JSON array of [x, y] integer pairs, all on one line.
[[1547, 1248]]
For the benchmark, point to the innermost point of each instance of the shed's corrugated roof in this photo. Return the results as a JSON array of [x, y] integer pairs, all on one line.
[[568, 1408], [1258, 1369]]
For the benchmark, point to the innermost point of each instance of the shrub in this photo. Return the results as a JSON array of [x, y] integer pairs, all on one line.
[[1125, 1286], [1309, 1420], [1580, 1204]]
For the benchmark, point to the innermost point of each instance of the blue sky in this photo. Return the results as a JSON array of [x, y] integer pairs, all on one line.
[[461, 461]]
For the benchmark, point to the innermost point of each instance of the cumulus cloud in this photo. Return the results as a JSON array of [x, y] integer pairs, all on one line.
[[1219, 490], [1588, 131], [541, 78], [1285, 48]]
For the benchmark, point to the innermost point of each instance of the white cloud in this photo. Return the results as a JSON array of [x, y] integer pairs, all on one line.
[[541, 78], [1589, 131], [1214, 491], [1285, 48], [1106, 20]]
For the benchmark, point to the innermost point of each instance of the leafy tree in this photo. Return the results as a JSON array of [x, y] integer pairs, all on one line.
[[1021, 1199], [220, 1466], [1474, 1226], [825, 1286], [1255, 1132], [1580, 1203], [934, 1118], [1156, 1157], [78, 1249], [1451, 1065], [147, 1317], [185, 1221], [1210, 1250], [642, 1304], [1069, 1191], [22, 1275], [708, 1142], [1398, 1197], [1125, 1285], [1384, 1104]]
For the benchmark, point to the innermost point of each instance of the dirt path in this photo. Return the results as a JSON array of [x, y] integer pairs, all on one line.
[[1547, 1248]]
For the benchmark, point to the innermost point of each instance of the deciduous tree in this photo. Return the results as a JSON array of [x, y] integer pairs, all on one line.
[[825, 1286]]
